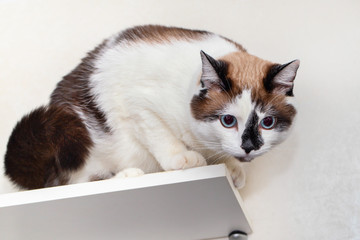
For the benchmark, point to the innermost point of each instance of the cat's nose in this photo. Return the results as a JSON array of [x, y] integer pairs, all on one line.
[[248, 146]]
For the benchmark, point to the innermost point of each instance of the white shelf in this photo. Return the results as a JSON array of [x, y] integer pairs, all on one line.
[[198, 203]]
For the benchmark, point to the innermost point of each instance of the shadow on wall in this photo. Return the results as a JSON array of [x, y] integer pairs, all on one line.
[[263, 170]]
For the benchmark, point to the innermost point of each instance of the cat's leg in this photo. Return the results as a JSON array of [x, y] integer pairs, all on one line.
[[236, 170], [170, 152]]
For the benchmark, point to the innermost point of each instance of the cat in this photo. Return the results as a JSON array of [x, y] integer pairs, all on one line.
[[154, 98]]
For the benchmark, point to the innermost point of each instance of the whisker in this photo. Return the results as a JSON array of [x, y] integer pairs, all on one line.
[[219, 158], [213, 155]]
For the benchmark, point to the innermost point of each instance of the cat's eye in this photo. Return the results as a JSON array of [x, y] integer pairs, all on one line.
[[228, 121], [268, 122]]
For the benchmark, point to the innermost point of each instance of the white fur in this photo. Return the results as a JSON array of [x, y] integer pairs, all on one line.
[[229, 140], [241, 109], [145, 92], [129, 172]]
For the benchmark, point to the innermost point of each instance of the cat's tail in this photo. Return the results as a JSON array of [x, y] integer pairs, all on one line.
[[44, 146]]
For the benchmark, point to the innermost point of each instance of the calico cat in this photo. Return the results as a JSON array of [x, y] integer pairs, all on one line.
[[154, 98]]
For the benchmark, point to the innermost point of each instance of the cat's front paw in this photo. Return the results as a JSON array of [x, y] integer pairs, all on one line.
[[187, 159], [129, 172], [237, 174]]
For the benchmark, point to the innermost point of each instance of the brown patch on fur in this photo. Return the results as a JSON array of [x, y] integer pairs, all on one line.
[[44, 146], [238, 46], [161, 34], [246, 71], [207, 108]]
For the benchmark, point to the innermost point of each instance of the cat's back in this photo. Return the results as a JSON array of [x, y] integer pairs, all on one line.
[[153, 48], [140, 51], [159, 34], [152, 63], [140, 65]]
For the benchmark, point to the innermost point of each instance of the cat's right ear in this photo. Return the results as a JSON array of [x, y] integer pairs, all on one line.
[[212, 73], [280, 78]]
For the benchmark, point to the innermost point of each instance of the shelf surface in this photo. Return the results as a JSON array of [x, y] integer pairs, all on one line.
[[197, 203]]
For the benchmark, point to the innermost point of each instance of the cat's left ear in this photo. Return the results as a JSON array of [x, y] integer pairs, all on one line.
[[280, 78], [213, 73]]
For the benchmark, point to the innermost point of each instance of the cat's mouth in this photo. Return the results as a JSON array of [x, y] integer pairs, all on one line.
[[244, 159]]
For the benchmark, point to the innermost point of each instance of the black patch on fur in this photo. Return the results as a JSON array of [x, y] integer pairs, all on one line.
[[205, 108], [203, 93], [268, 80], [74, 90], [251, 138], [222, 71], [284, 114], [284, 118], [221, 68], [44, 146]]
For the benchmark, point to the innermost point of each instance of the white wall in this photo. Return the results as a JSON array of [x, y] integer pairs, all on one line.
[[307, 188]]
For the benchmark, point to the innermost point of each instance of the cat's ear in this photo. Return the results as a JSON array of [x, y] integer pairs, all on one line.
[[280, 78], [213, 73]]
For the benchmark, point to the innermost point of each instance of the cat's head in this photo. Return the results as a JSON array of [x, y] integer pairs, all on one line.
[[243, 104]]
